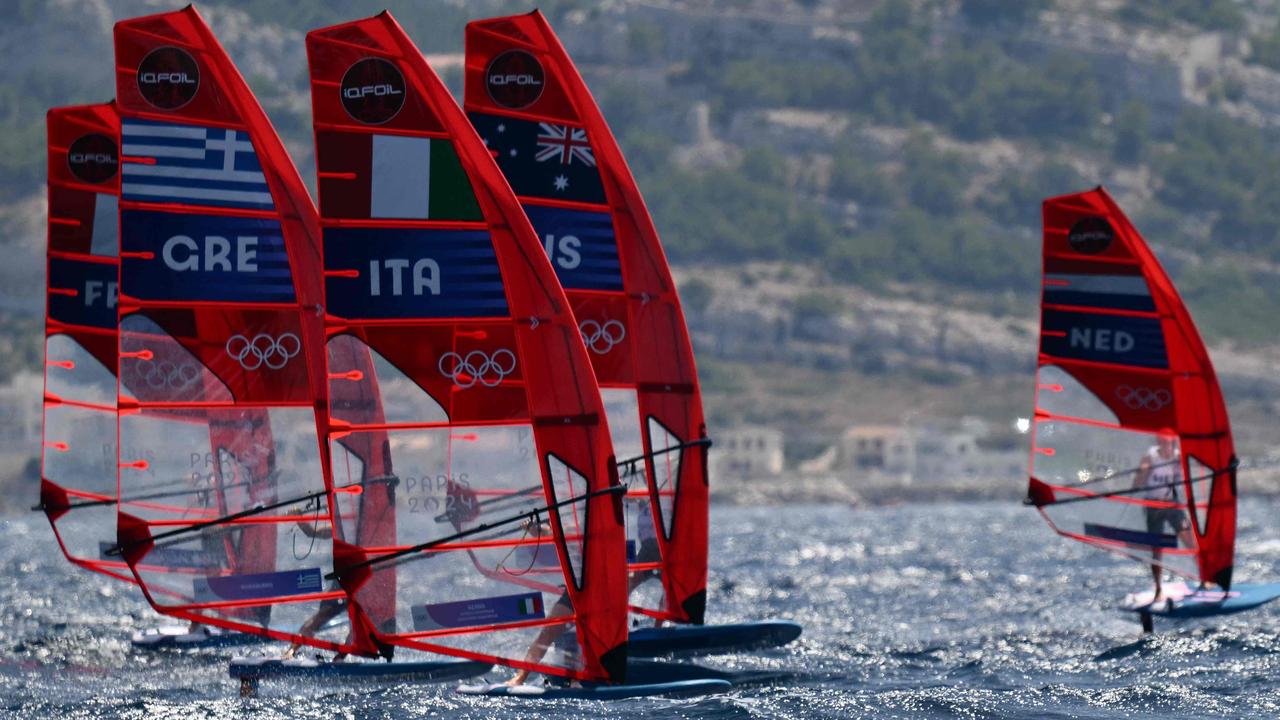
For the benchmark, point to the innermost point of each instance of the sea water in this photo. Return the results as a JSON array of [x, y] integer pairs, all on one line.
[[967, 610]]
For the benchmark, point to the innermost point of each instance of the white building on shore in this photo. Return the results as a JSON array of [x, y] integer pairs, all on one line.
[[922, 453], [746, 453]]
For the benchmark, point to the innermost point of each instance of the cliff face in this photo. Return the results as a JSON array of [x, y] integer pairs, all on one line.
[[855, 355], [768, 313], [780, 313]]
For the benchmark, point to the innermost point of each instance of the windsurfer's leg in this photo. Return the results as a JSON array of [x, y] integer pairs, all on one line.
[[1156, 573], [639, 578], [1185, 535], [329, 609], [649, 553], [1155, 524], [546, 636]]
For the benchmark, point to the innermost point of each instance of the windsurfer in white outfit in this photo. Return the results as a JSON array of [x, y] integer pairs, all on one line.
[[1159, 474]]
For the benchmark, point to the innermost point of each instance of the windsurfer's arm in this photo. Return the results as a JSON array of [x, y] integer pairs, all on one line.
[[537, 528], [310, 530], [1144, 470], [309, 527]]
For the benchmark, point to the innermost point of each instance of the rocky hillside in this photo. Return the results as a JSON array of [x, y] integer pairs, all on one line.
[[849, 188]]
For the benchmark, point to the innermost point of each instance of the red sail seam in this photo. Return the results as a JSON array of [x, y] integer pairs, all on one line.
[[566, 204], [195, 405], [1046, 359], [1089, 310], [1092, 259], [189, 209], [1186, 552], [250, 520], [253, 602], [408, 224], [56, 327], [365, 130]]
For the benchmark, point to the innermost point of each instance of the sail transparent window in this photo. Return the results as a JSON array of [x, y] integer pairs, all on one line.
[[80, 457], [570, 487], [183, 468], [348, 470], [1113, 492], [668, 456], [622, 409], [1059, 393], [73, 373], [1201, 481]]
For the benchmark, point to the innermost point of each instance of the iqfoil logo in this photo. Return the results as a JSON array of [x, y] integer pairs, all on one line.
[[93, 158], [373, 91], [168, 78], [514, 79], [1091, 236]]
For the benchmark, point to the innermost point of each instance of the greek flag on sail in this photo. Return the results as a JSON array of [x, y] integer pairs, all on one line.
[[167, 162]]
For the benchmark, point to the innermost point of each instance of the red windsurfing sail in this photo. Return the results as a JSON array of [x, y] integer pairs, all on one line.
[[535, 113], [1132, 447], [78, 475], [225, 514], [508, 521]]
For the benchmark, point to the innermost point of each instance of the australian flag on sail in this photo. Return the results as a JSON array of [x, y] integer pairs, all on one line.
[[543, 160], [192, 164]]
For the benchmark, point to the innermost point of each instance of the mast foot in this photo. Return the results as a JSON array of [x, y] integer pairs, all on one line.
[[248, 687], [1148, 622]]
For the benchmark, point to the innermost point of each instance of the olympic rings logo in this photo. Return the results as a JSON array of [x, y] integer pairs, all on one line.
[[263, 349], [1143, 398], [166, 375], [602, 337], [477, 366]]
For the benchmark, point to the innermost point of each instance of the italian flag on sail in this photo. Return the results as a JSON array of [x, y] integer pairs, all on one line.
[[530, 605], [365, 176]]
